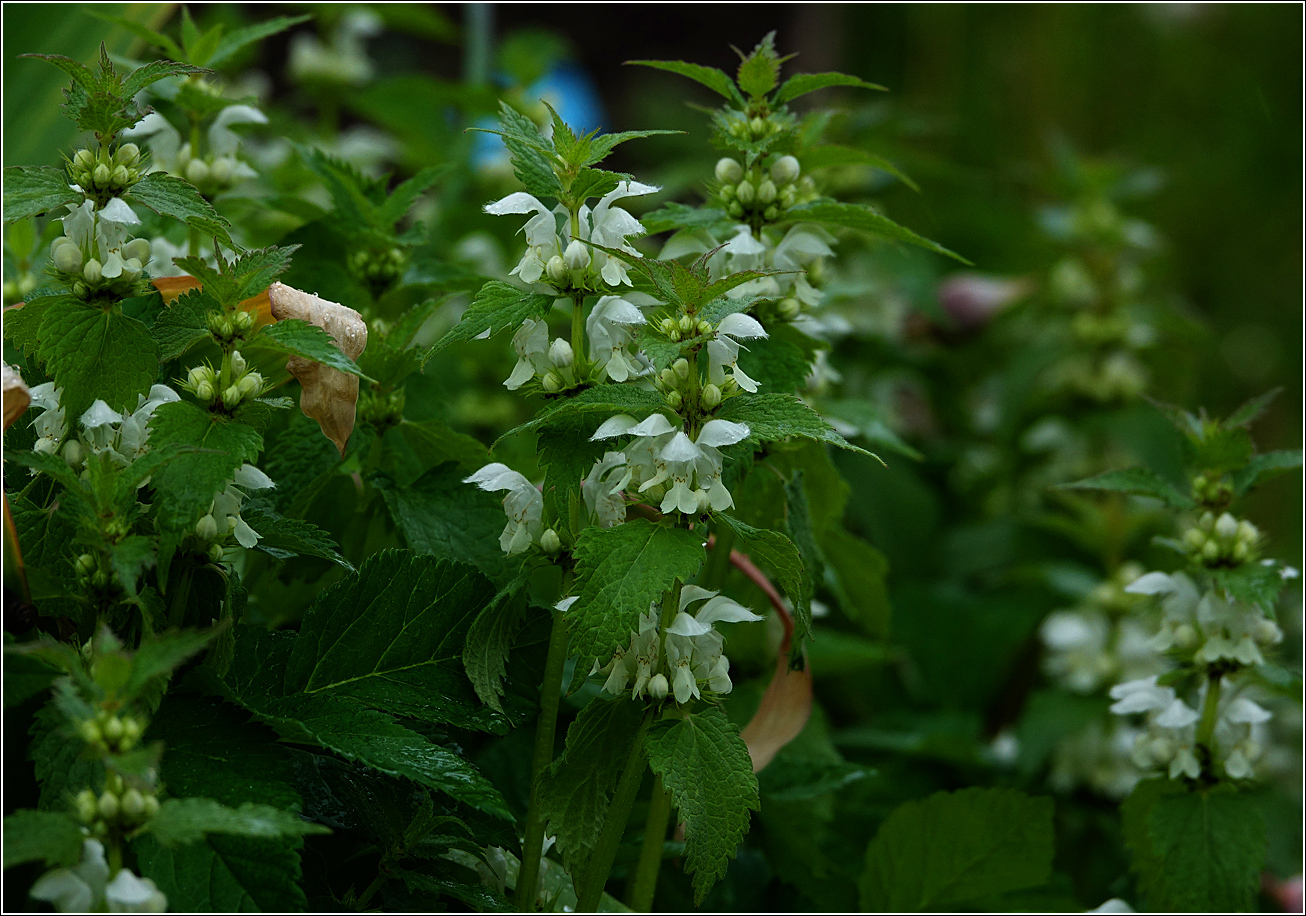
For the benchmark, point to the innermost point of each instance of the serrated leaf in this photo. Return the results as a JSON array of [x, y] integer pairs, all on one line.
[[1253, 583], [678, 216], [620, 572], [26, 676], [771, 417], [1222, 449], [152, 72], [776, 553], [256, 680], [185, 820], [45, 836], [489, 640], [576, 790], [93, 353], [160, 653], [711, 77], [1252, 410], [295, 337], [30, 191], [183, 324], [254, 271], [1197, 850], [856, 572], [957, 846], [189, 483], [1264, 467], [284, 537], [803, 83], [170, 196], [1138, 482], [239, 38], [825, 156], [798, 522], [496, 307], [603, 145], [480, 898], [705, 766], [759, 71], [865, 219], [397, 204], [225, 874], [157, 39], [599, 400]]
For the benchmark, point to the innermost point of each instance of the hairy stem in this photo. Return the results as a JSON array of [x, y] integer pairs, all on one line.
[[642, 886], [545, 732], [1206, 727], [578, 330], [614, 824]]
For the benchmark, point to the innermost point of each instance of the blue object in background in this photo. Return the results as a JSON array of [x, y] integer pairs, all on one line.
[[568, 89]]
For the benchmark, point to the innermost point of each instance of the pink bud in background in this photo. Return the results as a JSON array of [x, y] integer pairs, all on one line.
[[971, 299]]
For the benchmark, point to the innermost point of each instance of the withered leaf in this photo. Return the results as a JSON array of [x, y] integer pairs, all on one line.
[[16, 395]]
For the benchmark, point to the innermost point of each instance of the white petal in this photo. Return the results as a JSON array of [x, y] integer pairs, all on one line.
[[1153, 583], [245, 535], [684, 625], [100, 414], [518, 202], [655, 425], [1244, 710], [741, 326], [126, 893], [724, 610], [222, 139], [1177, 715], [619, 425], [716, 433], [117, 211], [691, 593], [680, 449], [566, 603], [251, 478]]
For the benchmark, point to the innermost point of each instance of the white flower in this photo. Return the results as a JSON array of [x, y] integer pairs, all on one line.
[[532, 344], [219, 161], [1077, 642], [345, 60], [1142, 695], [226, 505], [78, 889], [524, 505], [602, 488], [723, 351], [609, 328], [103, 237], [49, 424], [127, 893], [541, 232], [610, 226]]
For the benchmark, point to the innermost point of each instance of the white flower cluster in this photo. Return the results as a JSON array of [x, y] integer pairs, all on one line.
[[524, 505], [1206, 628], [1098, 756], [564, 261], [687, 472], [86, 887], [1170, 738], [218, 168], [96, 250], [685, 660], [123, 436], [223, 517]]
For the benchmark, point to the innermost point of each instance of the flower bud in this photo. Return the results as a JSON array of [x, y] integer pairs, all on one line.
[[745, 193], [771, 213], [151, 806], [681, 367], [66, 255], [1211, 551], [728, 171], [729, 385], [131, 268], [86, 564], [658, 686], [127, 154], [222, 170], [790, 308], [704, 326], [552, 381], [1161, 748], [560, 353], [206, 529], [197, 172], [675, 399], [1226, 527], [231, 397], [577, 256], [785, 170], [138, 249], [84, 160], [687, 324], [1185, 637], [197, 375], [215, 553], [238, 363], [89, 731], [550, 543], [1207, 521], [133, 804], [727, 192], [668, 377], [1240, 552], [45, 446], [734, 210], [101, 174], [1194, 539], [704, 502], [758, 127], [1247, 532], [788, 197], [86, 805], [73, 453], [108, 805], [251, 385], [674, 334], [119, 176], [766, 191], [242, 320], [92, 271], [556, 269], [112, 730], [132, 729], [711, 396]]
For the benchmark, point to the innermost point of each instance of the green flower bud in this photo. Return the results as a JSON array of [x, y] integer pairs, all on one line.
[[132, 729], [577, 256], [86, 564], [734, 210], [127, 154], [101, 174], [151, 806], [711, 396], [766, 191], [1226, 527], [1211, 551], [704, 326], [1185, 637], [222, 170], [785, 170], [771, 213], [790, 308], [231, 397], [108, 806], [80, 289], [557, 270], [687, 324], [675, 399], [758, 127], [1194, 539], [197, 172], [681, 367], [184, 156], [238, 363], [198, 375], [1248, 533], [131, 269], [788, 197], [1207, 521], [73, 453], [668, 378], [89, 731], [728, 171], [133, 804], [674, 334], [92, 271], [1267, 632], [1240, 551], [726, 192], [112, 730], [729, 385], [658, 686], [242, 320], [560, 353], [206, 529], [251, 385], [119, 176], [745, 192], [206, 392], [84, 160], [215, 553], [667, 325], [86, 806], [66, 255], [552, 381], [550, 543]]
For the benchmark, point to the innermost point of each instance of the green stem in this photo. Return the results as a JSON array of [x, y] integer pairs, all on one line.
[[644, 883], [614, 824], [718, 561], [180, 595], [1206, 727], [545, 732], [477, 48], [115, 856], [578, 331], [366, 897]]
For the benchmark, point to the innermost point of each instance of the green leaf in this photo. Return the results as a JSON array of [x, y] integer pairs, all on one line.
[[225, 874], [30, 191], [602, 146], [803, 83], [26, 676], [576, 790], [160, 653], [496, 307], [46, 836], [798, 522], [169, 196], [620, 572], [56, 754], [188, 484], [294, 337], [254, 271], [92, 353], [478, 897], [397, 205], [1251, 411], [337, 723], [778, 416], [678, 216], [149, 36], [856, 572], [865, 219], [284, 537], [183, 323], [604, 400], [391, 636], [185, 820], [532, 153], [239, 38], [440, 515], [826, 156], [1139, 482], [1197, 850], [152, 72], [705, 766], [775, 553], [711, 77], [489, 640], [1265, 467], [955, 847], [1252, 583], [760, 71]]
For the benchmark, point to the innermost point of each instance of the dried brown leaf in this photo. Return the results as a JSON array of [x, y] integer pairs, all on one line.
[[16, 395], [330, 396]]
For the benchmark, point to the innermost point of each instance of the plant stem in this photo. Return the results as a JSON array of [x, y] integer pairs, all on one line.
[[642, 886], [115, 856], [578, 330], [718, 561], [372, 888], [180, 596], [545, 731], [1206, 727], [614, 824]]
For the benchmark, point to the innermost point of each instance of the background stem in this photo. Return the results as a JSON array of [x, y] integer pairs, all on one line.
[[644, 883], [614, 825]]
